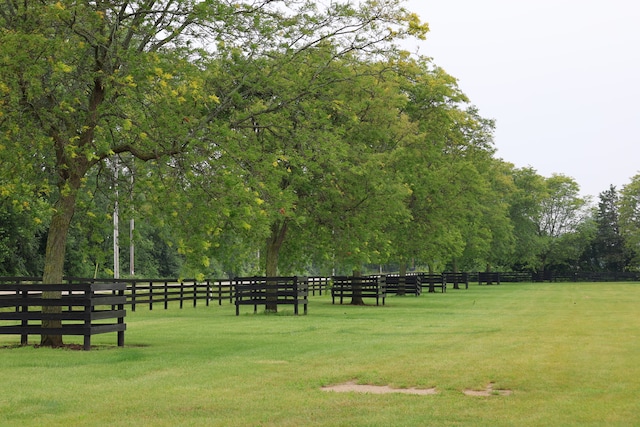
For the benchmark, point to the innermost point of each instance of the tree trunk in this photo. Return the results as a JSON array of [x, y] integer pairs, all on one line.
[[402, 274], [431, 284], [274, 243], [456, 285], [54, 260], [488, 270], [356, 299]]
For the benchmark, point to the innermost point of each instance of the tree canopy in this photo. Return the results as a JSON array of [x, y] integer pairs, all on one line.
[[83, 82]]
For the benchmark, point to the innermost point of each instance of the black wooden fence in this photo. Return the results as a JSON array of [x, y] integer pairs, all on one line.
[[160, 292], [152, 293], [82, 309]]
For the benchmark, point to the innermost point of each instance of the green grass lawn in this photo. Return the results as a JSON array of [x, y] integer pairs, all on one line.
[[570, 353]]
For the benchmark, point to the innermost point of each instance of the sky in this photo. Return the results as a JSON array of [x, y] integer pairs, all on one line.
[[561, 78]]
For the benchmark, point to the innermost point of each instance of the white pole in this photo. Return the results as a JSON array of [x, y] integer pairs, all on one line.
[[131, 248], [116, 231], [132, 269]]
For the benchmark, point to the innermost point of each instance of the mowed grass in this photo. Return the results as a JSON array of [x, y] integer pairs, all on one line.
[[570, 354]]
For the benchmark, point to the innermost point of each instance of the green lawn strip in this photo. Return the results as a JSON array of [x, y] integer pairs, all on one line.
[[568, 352]]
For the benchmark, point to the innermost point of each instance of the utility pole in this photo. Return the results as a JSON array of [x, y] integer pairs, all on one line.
[[132, 269], [116, 228], [132, 226]]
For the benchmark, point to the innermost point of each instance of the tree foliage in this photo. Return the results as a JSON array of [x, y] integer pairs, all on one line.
[[629, 218], [82, 82], [609, 245]]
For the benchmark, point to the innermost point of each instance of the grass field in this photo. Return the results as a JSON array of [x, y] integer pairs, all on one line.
[[570, 354]]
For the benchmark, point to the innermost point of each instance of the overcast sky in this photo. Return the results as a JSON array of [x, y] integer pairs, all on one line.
[[560, 77]]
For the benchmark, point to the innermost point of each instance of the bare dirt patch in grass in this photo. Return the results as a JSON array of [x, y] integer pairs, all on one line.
[[351, 386], [271, 362], [489, 391]]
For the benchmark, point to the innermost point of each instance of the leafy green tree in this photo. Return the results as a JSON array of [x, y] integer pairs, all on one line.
[[362, 195], [525, 204], [490, 241], [445, 162], [609, 245], [562, 210], [629, 219], [23, 222], [72, 88], [82, 82], [545, 213], [155, 256], [579, 250], [321, 168]]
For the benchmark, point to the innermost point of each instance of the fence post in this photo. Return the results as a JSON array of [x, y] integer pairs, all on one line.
[[208, 292], [133, 295], [166, 295], [121, 319], [195, 292], [295, 295], [181, 293], [24, 339], [88, 305], [150, 295]]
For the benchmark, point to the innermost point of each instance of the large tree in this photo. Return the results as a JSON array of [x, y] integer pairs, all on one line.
[[525, 204], [322, 173], [609, 243], [545, 213], [81, 82], [630, 219], [23, 220], [445, 163], [561, 211], [489, 232]]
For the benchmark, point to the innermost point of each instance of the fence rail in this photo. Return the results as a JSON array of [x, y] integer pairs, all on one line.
[[152, 292], [139, 293], [160, 292]]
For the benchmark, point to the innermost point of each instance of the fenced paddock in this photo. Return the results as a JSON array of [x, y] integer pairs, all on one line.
[[403, 285], [456, 279], [153, 293], [358, 287], [160, 292], [318, 284], [81, 310], [269, 291], [433, 281], [489, 278], [148, 293]]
